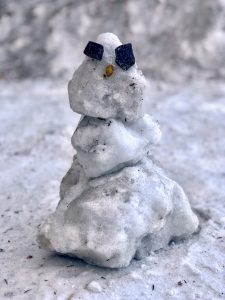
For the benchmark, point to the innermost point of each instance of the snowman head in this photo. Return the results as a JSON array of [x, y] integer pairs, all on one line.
[[108, 83]]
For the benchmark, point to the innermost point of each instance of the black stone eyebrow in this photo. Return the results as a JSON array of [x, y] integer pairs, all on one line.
[[94, 50], [125, 56]]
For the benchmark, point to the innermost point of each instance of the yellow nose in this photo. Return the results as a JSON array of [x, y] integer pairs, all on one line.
[[108, 71]]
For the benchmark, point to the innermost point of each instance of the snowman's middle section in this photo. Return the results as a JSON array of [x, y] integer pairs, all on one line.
[[107, 145]]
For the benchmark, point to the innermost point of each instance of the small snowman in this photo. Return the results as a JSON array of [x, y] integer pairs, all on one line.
[[115, 203]]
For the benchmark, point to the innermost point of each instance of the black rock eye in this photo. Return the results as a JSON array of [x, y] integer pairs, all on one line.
[[94, 50], [124, 56]]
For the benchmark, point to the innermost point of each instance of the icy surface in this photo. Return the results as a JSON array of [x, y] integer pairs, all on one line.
[[192, 122], [119, 96], [106, 220], [106, 145]]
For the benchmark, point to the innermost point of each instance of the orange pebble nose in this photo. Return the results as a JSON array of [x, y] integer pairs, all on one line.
[[108, 71]]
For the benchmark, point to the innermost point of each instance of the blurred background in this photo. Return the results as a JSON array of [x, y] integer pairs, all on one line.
[[174, 41]]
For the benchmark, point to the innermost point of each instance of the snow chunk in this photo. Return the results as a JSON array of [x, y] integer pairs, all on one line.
[[108, 145], [94, 286], [108, 220], [136, 275], [119, 96]]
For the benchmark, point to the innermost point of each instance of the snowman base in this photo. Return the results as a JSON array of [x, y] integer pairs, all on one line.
[[109, 220]]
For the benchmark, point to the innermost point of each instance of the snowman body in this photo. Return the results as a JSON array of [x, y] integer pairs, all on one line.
[[115, 203]]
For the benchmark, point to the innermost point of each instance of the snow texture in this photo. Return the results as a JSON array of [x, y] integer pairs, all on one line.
[[192, 144], [130, 208]]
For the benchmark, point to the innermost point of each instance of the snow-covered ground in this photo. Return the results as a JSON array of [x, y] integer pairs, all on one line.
[[35, 129]]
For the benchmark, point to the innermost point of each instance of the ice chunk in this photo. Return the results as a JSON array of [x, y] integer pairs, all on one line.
[[106, 145]]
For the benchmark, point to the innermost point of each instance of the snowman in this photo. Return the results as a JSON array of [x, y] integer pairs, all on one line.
[[115, 202]]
